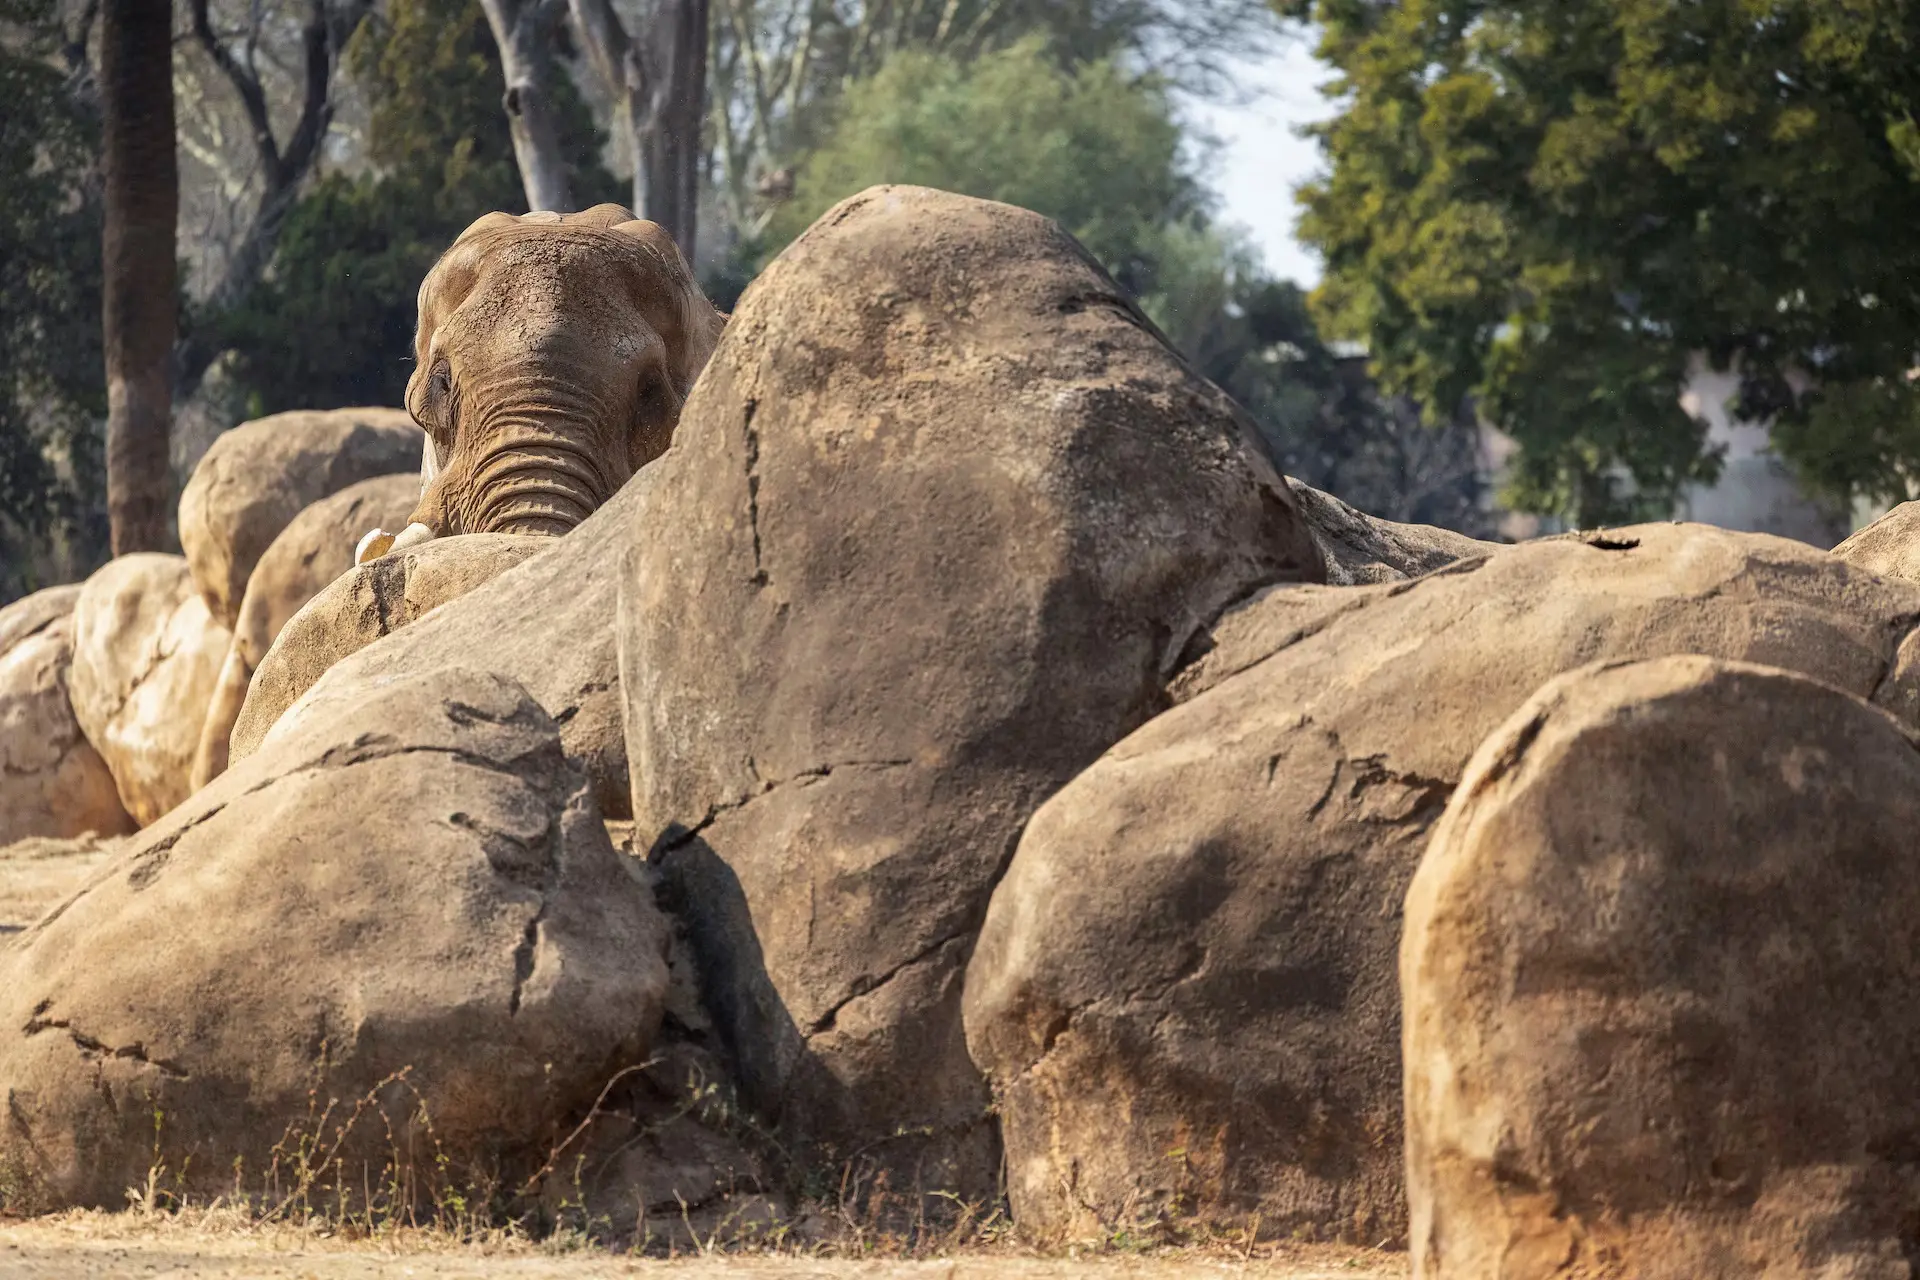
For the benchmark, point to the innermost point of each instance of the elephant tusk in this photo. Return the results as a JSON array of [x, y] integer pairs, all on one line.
[[375, 544], [378, 542], [412, 536]]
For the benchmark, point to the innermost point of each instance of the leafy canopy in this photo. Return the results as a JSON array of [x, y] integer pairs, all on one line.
[[1101, 152], [52, 372], [1089, 146], [1550, 205]]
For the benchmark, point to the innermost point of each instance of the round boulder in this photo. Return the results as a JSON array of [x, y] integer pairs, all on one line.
[[1200, 932], [395, 950], [315, 548], [1662, 984], [146, 655], [260, 475], [940, 519], [368, 602], [32, 613], [52, 782]]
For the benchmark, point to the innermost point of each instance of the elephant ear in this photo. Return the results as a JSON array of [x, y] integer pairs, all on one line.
[[700, 322]]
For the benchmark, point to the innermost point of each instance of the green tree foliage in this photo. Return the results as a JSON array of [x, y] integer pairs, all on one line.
[[1550, 205], [1321, 416], [1102, 153], [333, 323], [1089, 146], [52, 381]]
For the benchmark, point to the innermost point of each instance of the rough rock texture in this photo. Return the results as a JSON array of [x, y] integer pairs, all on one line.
[[316, 547], [31, 614], [52, 782], [262, 474], [375, 600], [1890, 546], [941, 516], [1662, 984], [145, 658], [1360, 548], [546, 624], [39, 873], [1199, 932], [418, 882]]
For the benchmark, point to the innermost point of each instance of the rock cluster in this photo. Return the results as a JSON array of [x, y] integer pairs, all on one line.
[[424, 940], [257, 477], [1018, 784]]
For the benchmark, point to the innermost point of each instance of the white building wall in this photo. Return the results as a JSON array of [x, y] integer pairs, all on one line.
[[1756, 491]]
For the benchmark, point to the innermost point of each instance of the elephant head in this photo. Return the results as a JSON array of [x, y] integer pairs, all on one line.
[[553, 355]]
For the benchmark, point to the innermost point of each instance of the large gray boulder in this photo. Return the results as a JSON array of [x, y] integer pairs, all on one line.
[[260, 475], [941, 518], [52, 782], [373, 600], [146, 656], [1199, 932], [315, 549], [400, 935], [1662, 984]]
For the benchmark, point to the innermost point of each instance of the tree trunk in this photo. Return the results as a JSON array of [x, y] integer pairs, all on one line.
[[671, 148], [524, 30], [659, 76], [141, 303]]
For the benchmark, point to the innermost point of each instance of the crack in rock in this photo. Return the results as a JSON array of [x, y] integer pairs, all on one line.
[[759, 578], [867, 985], [90, 1047], [523, 951], [677, 836]]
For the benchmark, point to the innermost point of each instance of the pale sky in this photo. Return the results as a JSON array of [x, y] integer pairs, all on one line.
[[1261, 161]]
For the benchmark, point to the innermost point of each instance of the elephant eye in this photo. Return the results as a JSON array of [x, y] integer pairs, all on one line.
[[439, 395]]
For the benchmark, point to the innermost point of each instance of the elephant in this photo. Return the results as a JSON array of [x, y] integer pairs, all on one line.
[[552, 357]]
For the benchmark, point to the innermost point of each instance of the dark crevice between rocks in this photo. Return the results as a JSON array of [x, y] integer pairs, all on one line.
[[565, 715], [1363, 596], [1198, 640], [1901, 629], [1601, 542], [1515, 752]]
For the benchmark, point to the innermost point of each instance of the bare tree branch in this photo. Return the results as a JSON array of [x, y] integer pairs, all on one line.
[[283, 168]]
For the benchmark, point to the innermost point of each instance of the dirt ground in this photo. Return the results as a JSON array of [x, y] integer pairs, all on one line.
[[125, 1246]]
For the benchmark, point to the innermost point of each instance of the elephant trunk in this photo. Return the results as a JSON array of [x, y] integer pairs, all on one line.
[[536, 487], [544, 471]]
